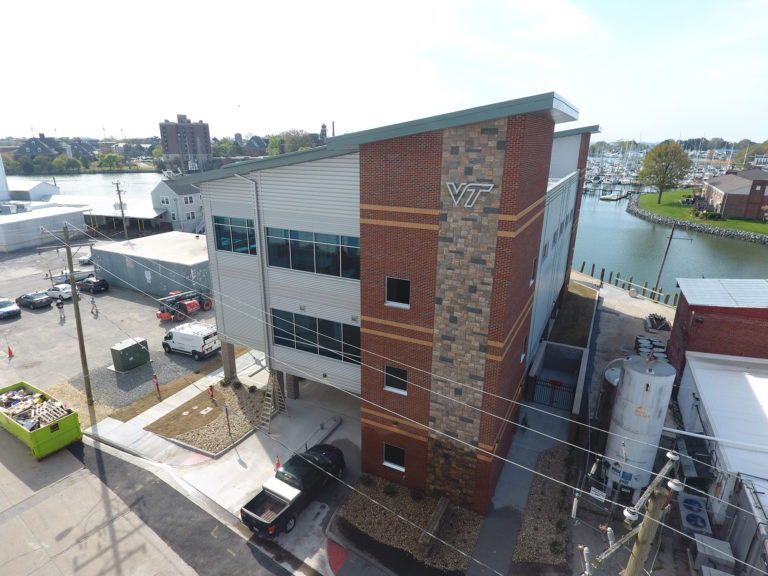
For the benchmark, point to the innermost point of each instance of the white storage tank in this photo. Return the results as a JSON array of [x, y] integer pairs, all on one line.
[[639, 410]]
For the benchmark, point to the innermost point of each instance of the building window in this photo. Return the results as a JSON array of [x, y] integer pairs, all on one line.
[[545, 251], [173, 216], [533, 271], [329, 254], [398, 292], [316, 335], [234, 235], [396, 379], [164, 200], [524, 349], [189, 199], [190, 215], [394, 457]]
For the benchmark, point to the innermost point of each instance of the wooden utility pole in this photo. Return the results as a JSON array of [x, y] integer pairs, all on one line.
[[647, 532], [122, 210], [78, 322], [658, 278]]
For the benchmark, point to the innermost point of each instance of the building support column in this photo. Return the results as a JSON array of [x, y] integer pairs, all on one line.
[[291, 385], [228, 360]]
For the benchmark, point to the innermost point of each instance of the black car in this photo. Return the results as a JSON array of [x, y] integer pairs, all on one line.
[[92, 285], [34, 300], [313, 464]]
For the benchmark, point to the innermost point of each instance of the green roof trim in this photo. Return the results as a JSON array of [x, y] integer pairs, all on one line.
[[559, 109], [594, 129], [551, 104]]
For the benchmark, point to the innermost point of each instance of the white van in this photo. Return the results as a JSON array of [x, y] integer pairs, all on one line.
[[198, 339]]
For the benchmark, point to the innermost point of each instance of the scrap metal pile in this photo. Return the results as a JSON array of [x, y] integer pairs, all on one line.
[[31, 410]]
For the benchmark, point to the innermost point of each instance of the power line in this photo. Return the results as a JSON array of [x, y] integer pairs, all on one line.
[[429, 428], [263, 320]]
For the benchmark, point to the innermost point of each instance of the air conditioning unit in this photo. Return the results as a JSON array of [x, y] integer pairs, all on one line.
[[707, 571], [693, 514], [706, 552]]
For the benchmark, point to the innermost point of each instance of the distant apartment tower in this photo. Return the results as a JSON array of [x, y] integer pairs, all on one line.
[[183, 140]]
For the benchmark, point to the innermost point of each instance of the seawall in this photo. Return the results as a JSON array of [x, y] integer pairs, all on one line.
[[635, 210]]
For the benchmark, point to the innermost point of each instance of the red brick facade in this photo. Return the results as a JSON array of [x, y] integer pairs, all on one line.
[[717, 330], [400, 213]]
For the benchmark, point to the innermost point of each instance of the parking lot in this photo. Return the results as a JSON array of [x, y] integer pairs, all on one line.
[[45, 349]]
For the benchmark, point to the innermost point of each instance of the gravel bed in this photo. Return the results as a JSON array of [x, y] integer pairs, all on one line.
[[118, 390], [244, 407], [392, 535], [543, 532]]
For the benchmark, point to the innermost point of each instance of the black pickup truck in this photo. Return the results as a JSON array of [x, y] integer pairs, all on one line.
[[295, 484]]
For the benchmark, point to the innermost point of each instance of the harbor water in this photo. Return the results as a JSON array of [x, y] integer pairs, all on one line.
[[613, 239], [608, 238]]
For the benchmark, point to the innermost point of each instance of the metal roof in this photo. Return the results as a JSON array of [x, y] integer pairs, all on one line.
[[135, 206], [594, 129], [725, 292], [550, 104], [177, 247], [734, 393]]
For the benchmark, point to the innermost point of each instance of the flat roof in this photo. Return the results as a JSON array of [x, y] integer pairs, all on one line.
[[550, 104], [734, 393], [725, 292], [594, 129], [174, 247], [133, 206]]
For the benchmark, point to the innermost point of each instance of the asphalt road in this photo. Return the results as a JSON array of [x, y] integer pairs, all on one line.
[[45, 349], [207, 545]]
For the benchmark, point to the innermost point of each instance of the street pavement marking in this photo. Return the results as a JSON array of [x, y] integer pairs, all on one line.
[[213, 532]]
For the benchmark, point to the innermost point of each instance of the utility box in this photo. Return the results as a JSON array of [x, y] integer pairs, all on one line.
[[129, 354]]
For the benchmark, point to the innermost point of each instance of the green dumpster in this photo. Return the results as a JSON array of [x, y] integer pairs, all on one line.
[[129, 354], [37, 419]]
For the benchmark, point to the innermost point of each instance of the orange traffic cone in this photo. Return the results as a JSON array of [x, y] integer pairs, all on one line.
[[277, 464], [10, 352]]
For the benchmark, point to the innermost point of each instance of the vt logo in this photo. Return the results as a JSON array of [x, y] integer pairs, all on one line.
[[471, 191]]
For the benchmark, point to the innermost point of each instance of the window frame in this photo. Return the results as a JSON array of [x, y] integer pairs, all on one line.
[[396, 303], [387, 450], [391, 377]]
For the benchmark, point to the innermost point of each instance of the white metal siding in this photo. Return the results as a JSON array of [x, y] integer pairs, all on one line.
[[324, 297], [552, 270], [235, 278], [343, 375], [321, 196], [565, 156]]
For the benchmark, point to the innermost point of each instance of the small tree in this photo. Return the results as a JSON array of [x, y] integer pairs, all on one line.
[[664, 167], [273, 148]]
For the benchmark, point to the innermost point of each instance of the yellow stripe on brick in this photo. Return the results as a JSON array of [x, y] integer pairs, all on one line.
[[397, 324], [396, 337], [516, 232], [520, 215], [402, 209], [397, 224]]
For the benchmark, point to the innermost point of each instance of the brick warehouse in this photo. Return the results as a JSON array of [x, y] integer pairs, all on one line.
[[417, 265]]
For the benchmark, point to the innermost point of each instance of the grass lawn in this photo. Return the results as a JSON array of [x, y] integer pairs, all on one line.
[[670, 206]]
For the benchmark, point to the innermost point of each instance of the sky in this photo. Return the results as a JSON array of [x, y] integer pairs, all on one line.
[[643, 71]]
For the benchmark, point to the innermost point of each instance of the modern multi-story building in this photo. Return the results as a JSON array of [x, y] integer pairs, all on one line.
[[186, 141], [417, 265]]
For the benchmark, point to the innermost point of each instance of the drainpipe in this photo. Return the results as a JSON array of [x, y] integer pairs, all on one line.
[[263, 272]]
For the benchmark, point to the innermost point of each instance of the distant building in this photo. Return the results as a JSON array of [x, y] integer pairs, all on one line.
[[40, 146], [179, 205], [256, 146], [739, 195], [719, 316], [186, 141], [80, 149]]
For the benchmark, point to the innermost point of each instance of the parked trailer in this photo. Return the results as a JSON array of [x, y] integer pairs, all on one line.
[[37, 419], [179, 305]]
